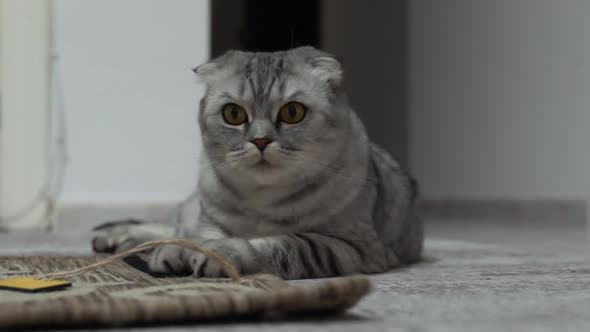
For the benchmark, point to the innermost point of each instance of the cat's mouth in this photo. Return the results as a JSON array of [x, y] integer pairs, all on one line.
[[262, 163]]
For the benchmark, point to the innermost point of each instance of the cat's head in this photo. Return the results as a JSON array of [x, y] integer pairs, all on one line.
[[272, 118]]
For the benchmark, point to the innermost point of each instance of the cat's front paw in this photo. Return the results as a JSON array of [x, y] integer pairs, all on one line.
[[116, 236], [176, 260], [172, 260], [122, 235]]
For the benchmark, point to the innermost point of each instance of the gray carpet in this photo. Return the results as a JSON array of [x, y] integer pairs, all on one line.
[[473, 278]]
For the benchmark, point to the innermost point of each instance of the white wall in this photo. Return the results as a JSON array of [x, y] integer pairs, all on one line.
[[130, 97], [500, 98], [24, 91]]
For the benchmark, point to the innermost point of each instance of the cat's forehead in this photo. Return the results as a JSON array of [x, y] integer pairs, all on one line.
[[259, 78], [262, 75]]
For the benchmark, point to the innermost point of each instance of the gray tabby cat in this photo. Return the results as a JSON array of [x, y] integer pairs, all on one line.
[[289, 183]]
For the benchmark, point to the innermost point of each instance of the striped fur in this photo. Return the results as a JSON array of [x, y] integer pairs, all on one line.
[[326, 202]]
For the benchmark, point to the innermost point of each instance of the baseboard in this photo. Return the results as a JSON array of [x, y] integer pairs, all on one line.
[[523, 211], [80, 217], [85, 216]]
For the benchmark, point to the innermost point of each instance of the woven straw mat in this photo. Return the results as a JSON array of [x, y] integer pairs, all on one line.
[[119, 294]]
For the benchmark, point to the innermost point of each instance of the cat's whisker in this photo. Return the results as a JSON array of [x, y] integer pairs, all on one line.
[[367, 141], [218, 169], [293, 151], [359, 180], [214, 155], [323, 167]]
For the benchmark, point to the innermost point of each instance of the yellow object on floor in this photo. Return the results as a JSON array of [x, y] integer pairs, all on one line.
[[28, 284]]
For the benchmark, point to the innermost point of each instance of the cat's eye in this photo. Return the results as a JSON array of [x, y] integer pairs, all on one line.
[[234, 115], [292, 113]]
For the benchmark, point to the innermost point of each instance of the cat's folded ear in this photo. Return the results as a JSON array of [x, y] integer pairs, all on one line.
[[327, 68], [207, 71], [322, 65]]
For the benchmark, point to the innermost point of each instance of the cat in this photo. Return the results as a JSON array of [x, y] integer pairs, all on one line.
[[289, 182]]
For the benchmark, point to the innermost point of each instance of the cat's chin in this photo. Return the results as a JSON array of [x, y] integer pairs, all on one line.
[[262, 163], [265, 173], [263, 167]]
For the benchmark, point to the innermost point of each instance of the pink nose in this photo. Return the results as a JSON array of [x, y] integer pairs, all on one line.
[[261, 143]]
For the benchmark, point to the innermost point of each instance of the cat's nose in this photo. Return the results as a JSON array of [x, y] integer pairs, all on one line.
[[261, 143]]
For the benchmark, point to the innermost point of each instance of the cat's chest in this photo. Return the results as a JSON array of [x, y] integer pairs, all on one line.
[[264, 211], [254, 218], [250, 224]]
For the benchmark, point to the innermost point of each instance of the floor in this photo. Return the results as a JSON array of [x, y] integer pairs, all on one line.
[[476, 276]]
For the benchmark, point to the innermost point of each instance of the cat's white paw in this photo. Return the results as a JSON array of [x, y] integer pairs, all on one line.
[[116, 236], [169, 259], [172, 259], [122, 235]]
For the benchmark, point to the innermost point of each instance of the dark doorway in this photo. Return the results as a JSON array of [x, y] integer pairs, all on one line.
[[263, 25], [370, 38]]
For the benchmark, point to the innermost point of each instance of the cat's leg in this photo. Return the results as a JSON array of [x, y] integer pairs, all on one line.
[[296, 256], [121, 235]]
